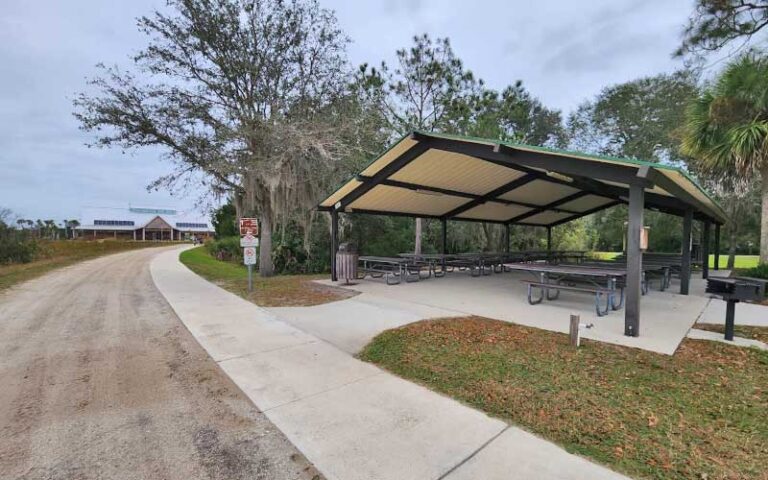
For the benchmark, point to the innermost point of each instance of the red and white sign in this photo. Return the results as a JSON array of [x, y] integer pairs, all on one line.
[[249, 241], [249, 256], [249, 225]]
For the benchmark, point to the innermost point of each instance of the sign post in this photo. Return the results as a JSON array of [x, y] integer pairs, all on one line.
[[249, 229], [249, 259]]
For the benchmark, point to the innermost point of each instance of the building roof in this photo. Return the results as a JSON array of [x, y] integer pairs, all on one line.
[[465, 178], [140, 217]]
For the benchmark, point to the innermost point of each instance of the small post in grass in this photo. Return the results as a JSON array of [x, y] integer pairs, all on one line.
[[574, 331]]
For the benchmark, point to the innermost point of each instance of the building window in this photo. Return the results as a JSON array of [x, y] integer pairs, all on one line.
[[114, 223], [191, 225]]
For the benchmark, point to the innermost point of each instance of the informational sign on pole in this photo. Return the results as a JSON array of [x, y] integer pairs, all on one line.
[[249, 255], [249, 240], [249, 225]]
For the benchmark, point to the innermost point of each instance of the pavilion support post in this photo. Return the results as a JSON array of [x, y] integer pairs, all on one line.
[[634, 260], [444, 224], [717, 246], [685, 264], [134, 235], [506, 238], [705, 250], [334, 242], [143, 234], [549, 243]]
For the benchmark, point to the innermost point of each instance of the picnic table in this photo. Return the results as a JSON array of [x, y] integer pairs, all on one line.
[[393, 269], [656, 270], [605, 283]]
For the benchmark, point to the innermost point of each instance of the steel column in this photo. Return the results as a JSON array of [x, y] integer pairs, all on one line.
[[685, 263], [634, 261], [444, 224], [730, 318], [717, 246], [334, 242], [549, 243], [705, 250]]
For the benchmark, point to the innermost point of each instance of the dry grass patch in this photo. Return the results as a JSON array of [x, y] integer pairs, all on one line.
[[55, 254], [701, 413], [278, 291]]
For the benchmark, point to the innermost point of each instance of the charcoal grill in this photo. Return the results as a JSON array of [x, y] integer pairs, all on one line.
[[734, 290]]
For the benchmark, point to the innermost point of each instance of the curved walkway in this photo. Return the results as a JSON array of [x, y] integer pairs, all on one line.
[[351, 419]]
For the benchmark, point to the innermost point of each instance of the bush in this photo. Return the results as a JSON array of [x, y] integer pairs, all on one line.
[[227, 248], [17, 250], [760, 271], [16, 246]]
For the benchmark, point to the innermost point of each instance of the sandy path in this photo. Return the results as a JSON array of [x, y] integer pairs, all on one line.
[[99, 379]]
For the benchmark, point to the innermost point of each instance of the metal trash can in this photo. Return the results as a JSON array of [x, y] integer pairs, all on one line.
[[346, 263]]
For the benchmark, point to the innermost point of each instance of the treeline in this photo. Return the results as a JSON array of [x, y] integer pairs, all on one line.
[[261, 99], [19, 236]]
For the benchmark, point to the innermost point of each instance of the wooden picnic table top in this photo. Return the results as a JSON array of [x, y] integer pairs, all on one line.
[[576, 270]]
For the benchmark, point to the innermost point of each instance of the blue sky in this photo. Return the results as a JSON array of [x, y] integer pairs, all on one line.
[[564, 52]]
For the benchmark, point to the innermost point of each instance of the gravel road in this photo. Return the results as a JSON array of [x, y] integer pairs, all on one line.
[[100, 380]]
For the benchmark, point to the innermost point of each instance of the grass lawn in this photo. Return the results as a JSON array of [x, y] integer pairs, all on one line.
[[746, 331], [741, 261], [61, 253], [702, 413], [278, 291]]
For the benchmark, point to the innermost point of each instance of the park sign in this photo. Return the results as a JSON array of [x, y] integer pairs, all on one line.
[[249, 225], [249, 256], [249, 241]]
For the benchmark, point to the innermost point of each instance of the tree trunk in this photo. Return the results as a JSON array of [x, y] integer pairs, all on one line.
[[266, 268], [417, 240], [764, 216], [731, 245]]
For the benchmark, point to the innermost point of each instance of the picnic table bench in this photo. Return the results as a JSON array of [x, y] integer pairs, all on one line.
[[607, 283]]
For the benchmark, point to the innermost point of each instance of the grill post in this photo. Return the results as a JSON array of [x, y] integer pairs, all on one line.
[[730, 314]]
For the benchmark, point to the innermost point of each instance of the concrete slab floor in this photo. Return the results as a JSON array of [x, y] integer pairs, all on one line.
[[350, 324], [351, 419], [719, 337], [666, 316]]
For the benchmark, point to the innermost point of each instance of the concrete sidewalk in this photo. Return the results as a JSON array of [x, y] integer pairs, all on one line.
[[351, 419]]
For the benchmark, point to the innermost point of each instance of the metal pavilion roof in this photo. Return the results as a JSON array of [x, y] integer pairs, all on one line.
[[465, 178]]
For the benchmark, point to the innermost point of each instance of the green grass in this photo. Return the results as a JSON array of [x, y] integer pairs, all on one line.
[[698, 414], [740, 262], [278, 291], [62, 253]]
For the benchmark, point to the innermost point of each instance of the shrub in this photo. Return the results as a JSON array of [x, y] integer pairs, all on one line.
[[760, 271], [227, 248], [17, 250]]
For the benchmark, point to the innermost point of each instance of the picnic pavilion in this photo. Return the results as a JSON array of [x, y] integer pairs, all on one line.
[[449, 177]]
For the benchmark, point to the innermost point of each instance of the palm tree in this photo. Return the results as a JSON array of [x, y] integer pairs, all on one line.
[[726, 129]]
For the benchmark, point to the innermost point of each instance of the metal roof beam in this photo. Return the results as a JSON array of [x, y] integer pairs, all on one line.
[[549, 206], [454, 193], [398, 163], [490, 195]]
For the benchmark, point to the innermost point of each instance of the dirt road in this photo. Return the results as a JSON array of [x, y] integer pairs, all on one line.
[[100, 380]]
